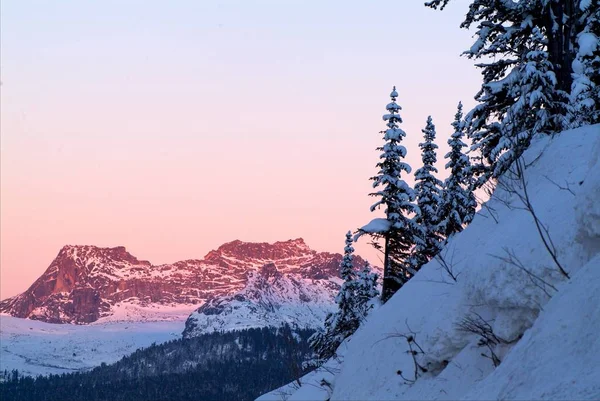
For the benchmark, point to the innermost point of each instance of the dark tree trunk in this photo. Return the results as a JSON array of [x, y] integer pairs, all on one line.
[[388, 280], [558, 21]]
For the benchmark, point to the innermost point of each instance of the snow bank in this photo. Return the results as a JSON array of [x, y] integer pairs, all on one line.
[[558, 357], [537, 362]]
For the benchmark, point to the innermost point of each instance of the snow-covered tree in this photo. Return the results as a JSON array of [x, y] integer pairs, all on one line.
[[353, 301], [458, 204], [347, 269], [366, 290], [428, 191], [399, 229], [585, 91], [529, 64]]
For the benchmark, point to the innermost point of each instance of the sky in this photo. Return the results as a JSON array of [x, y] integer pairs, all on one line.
[[173, 127]]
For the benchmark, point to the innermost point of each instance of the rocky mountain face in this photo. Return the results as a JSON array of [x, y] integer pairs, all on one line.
[[87, 283]]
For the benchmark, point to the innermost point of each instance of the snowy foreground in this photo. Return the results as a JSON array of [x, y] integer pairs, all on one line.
[[550, 344], [35, 347]]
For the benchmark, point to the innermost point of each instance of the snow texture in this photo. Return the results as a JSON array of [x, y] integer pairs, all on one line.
[[551, 335], [39, 348]]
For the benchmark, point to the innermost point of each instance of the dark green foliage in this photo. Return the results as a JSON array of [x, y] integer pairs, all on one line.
[[237, 365]]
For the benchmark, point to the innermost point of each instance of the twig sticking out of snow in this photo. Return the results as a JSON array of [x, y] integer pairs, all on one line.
[[414, 350], [475, 324]]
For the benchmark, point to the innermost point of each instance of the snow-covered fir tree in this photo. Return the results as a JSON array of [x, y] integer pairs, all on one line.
[[458, 203], [353, 301], [346, 268], [366, 290], [399, 229], [540, 106], [428, 191], [533, 80], [585, 91]]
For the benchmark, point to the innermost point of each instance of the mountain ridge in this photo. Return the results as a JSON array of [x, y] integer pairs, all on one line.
[[85, 283]]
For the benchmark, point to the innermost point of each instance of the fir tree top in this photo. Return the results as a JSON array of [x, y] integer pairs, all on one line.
[[458, 162], [395, 193], [427, 186]]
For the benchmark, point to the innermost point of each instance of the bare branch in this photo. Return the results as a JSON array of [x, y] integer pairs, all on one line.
[[414, 350], [541, 228], [475, 324], [567, 188], [512, 259]]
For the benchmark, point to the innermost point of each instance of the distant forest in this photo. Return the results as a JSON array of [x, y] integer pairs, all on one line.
[[239, 365]]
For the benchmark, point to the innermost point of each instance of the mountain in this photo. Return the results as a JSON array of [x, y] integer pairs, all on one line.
[[269, 299], [87, 283]]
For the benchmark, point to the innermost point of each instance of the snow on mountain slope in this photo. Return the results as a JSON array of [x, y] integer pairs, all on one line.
[[270, 298], [87, 283], [550, 334], [35, 347]]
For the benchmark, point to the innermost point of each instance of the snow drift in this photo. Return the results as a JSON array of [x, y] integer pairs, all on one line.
[[546, 325]]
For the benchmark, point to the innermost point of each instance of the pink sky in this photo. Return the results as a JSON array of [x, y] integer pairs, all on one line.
[[173, 130]]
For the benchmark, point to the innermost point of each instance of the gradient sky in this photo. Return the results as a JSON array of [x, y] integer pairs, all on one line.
[[173, 127]]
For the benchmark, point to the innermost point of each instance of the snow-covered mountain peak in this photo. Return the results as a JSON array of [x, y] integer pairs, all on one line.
[[269, 298]]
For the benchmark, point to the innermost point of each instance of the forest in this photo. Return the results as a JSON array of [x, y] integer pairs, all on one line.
[[238, 365]]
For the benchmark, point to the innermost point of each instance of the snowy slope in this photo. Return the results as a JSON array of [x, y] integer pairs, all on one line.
[[562, 348], [35, 347], [552, 335]]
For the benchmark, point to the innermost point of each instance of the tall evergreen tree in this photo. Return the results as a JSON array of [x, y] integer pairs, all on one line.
[[458, 204], [401, 232], [428, 191], [529, 66]]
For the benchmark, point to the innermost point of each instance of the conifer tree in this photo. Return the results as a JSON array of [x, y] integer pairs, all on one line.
[[539, 67], [366, 290], [428, 191], [585, 91], [401, 232], [458, 204], [347, 269], [353, 301]]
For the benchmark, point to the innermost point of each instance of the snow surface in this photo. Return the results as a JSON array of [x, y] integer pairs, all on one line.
[[551, 329], [35, 347], [130, 310]]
